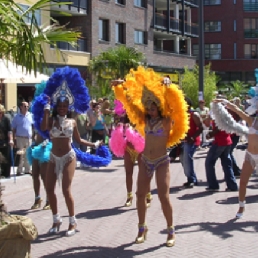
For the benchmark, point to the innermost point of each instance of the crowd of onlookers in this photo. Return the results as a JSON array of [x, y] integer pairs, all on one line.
[[97, 124]]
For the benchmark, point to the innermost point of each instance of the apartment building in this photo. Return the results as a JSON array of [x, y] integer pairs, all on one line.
[[161, 29], [77, 57], [230, 37], [153, 27]]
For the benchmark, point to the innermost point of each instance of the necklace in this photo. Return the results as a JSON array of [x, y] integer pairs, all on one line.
[[154, 120], [61, 120]]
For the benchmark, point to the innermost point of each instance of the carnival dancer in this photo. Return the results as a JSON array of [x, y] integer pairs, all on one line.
[[147, 99], [251, 156], [126, 142], [38, 156], [65, 91]]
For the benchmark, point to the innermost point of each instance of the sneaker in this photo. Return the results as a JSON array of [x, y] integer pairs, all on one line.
[[188, 185], [231, 190], [209, 189]]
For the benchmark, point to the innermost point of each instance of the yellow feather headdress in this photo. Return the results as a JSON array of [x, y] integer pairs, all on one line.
[[143, 87]]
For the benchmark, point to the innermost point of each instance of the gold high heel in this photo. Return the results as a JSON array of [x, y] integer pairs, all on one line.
[[46, 206], [143, 232], [129, 200], [37, 204], [171, 233], [148, 199]]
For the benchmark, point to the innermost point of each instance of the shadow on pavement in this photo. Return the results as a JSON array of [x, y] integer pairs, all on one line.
[[24, 212], [95, 214], [101, 251], [100, 170], [222, 230], [195, 195], [234, 200]]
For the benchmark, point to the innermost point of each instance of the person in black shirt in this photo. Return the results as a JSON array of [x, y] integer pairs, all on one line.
[[6, 141]]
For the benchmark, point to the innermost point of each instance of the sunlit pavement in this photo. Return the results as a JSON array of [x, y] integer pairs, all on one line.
[[204, 221]]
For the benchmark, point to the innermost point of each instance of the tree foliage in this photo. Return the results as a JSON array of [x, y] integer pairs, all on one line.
[[190, 84], [21, 36], [112, 64]]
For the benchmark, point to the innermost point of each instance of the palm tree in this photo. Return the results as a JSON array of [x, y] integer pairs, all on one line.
[[22, 42], [114, 63]]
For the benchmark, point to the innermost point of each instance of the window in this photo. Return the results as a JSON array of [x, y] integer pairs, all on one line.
[[140, 37], [120, 33], [140, 3], [211, 51], [103, 30], [212, 26], [251, 51], [235, 25], [235, 50], [212, 2], [122, 2], [27, 18], [251, 28], [250, 5]]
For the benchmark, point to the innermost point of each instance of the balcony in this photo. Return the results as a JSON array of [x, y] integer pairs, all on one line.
[[191, 29], [251, 7], [76, 8], [190, 3], [252, 33], [81, 46]]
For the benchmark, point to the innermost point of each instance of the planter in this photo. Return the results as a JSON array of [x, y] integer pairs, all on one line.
[[16, 236]]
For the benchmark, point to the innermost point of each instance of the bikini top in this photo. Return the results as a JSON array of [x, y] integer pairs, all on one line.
[[253, 129], [156, 130], [65, 131]]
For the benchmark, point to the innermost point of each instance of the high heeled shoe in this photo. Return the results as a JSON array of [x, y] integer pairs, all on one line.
[[72, 221], [46, 206], [148, 199], [142, 232], [129, 199], [171, 236], [57, 222], [37, 204], [239, 215]]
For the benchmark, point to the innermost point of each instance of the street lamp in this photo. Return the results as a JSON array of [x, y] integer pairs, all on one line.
[[201, 50]]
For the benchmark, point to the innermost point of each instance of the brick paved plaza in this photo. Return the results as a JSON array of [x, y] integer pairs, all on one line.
[[204, 221]]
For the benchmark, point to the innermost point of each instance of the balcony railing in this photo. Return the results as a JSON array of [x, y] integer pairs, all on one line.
[[191, 29], [251, 7], [81, 46], [251, 33], [251, 56], [79, 6], [191, 3]]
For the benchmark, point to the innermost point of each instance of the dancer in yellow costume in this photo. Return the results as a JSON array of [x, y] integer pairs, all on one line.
[[159, 112]]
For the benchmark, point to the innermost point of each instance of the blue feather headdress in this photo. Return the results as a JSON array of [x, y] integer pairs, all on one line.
[[253, 92], [76, 90]]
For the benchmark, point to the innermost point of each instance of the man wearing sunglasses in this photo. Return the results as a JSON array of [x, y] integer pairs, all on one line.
[[22, 134]]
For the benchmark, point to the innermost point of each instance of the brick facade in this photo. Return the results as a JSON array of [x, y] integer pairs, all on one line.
[[134, 18], [228, 12]]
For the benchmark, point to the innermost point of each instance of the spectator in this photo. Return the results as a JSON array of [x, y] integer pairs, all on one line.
[[220, 149], [192, 141], [22, 133], [6, 140]]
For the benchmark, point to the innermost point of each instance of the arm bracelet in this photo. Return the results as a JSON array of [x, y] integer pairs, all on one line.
[[47, 106]]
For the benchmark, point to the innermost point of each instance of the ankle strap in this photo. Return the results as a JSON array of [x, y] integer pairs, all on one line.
[[142, 227], [56, 218], [72, 220], [129, 195], [171, 230], [148, 195], [241, 204]]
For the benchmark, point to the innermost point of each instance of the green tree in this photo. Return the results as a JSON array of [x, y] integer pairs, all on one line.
[[111, 64], [190, 84], [234, 89], [22, 41]]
